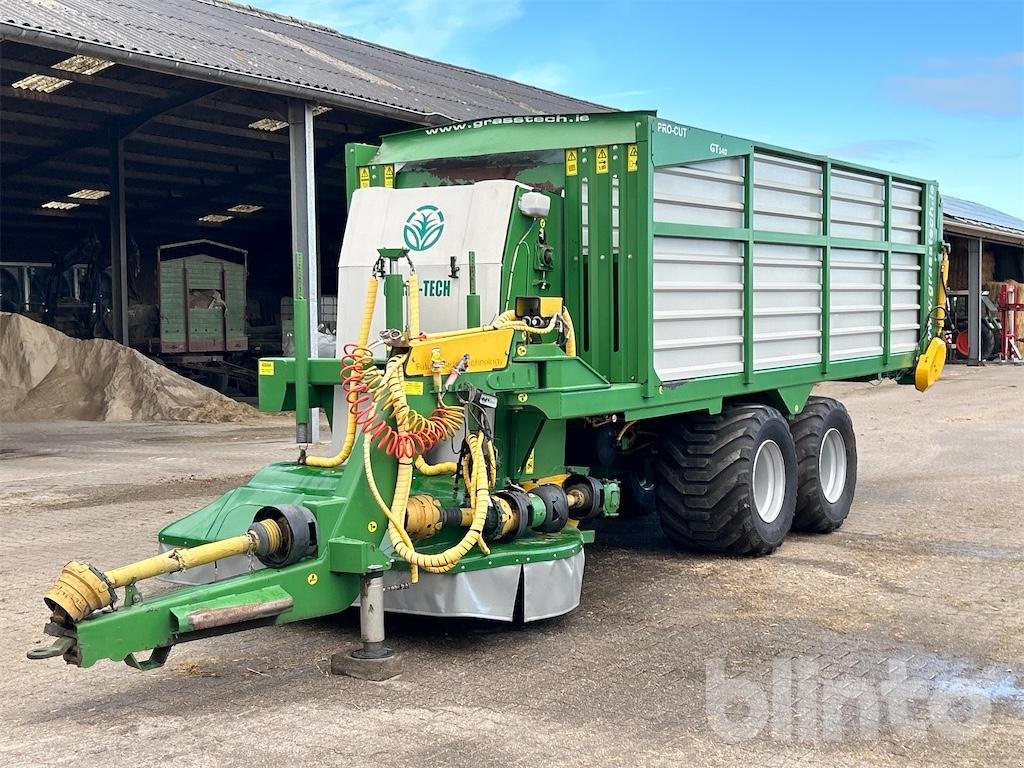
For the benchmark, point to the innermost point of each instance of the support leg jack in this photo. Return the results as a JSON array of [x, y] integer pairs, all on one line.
[[373, 660]]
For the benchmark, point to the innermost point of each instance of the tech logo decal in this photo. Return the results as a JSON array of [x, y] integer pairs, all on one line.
[[423, 228]]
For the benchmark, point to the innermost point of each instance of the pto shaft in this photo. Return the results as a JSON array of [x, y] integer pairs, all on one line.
[[81, 589]]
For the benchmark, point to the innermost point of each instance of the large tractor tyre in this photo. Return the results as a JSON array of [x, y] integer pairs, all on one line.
[[826, 450], [727, 483]]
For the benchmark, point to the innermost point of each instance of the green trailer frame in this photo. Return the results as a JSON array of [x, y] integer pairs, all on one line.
[[542, 388]]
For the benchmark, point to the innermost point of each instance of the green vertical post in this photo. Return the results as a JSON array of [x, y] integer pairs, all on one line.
[[300, 336], [826, 266], [394, 297], [644, 257], [472, 298], [572, 227], [887, 276], [599, 212]]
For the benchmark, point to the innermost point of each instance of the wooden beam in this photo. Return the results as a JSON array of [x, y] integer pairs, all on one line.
[[225, 149], [59, 99], [133, 121]]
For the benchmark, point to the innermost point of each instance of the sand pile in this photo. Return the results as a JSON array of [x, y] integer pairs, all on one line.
[[45, 375]]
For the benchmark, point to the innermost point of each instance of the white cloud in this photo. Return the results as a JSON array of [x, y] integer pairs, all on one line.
[[423, 27], [1011, 60], [992, 86], [987, 94], [551, 76]]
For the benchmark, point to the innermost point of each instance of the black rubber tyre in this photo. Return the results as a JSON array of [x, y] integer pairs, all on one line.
[[705, 481], [815, 512], [638, 493]]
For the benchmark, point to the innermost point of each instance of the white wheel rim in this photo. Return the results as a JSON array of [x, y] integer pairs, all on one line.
[[832, 466], [769, 481]]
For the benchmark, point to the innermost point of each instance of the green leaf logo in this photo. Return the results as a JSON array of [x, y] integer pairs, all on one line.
[[423, 228]]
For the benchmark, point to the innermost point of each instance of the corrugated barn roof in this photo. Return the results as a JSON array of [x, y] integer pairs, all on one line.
[[251, 47], [975, 214]]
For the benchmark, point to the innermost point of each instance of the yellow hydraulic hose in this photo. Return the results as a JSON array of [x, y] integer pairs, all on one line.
[[432, 470], [570, 333], [504, 320], [414, 306], [396, 512], [350, 429], [940, 299], [443, 561]]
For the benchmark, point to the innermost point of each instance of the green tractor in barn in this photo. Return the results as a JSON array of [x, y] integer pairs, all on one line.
[[564, 317]]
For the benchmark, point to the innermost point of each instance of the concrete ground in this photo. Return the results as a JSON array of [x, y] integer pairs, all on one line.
[[898, 640]]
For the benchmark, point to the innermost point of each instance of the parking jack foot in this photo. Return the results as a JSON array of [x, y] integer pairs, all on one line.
[[373, 660]]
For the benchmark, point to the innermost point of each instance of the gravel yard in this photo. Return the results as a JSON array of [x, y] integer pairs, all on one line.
[[897, 640]]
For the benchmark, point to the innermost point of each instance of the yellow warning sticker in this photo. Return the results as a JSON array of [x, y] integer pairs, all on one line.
[[413, 387], [389, 175], [601, 153], [266, 368], [528, 469], [632, 154], [364, 176], [571, 162]]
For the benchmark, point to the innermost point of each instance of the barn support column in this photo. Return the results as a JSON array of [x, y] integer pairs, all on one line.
[[118, 240], [974, 300], [304, 241]]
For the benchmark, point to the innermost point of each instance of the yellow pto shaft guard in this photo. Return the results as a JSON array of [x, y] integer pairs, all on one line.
[[81, 589]]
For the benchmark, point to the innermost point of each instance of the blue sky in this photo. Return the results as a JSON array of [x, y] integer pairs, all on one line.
[[932, 89]]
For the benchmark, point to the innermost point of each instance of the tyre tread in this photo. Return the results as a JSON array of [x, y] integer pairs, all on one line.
[[806, 429], [703, 471]]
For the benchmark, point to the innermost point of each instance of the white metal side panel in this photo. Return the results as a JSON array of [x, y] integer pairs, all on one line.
[[858, 206], [787, 305], [906, 213], [708, 193], [856, 302], [905, 330], [787, 195], [698, 307]]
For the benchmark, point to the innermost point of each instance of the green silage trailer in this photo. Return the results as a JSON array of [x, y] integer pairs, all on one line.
[[582, 315]]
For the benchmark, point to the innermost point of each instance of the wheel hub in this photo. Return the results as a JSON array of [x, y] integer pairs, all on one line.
[[832, 465], [769, 481]]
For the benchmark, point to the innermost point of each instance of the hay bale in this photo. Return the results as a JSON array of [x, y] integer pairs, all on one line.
[[46, 376]]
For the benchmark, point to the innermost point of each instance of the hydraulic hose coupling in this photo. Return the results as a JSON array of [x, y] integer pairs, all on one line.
[[457, 370]]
